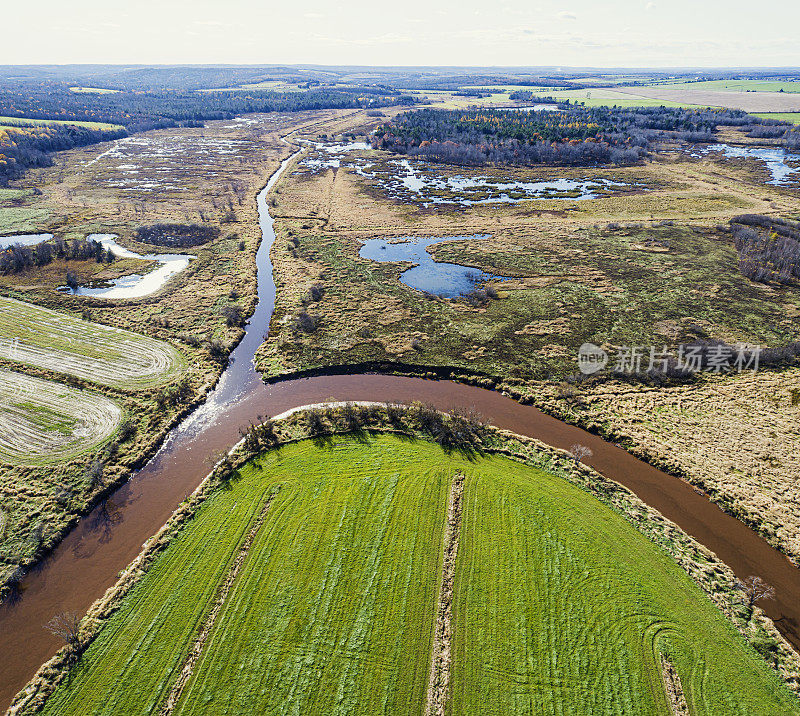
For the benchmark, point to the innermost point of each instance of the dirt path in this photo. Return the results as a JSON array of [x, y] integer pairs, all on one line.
[[200, 641], [674, 688], [439, 679]]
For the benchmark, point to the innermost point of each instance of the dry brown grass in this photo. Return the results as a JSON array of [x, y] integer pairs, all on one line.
[[736, 437], [748, 101]]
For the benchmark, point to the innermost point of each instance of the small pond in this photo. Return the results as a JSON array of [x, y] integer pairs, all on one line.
[[23, 240], [428, 275]]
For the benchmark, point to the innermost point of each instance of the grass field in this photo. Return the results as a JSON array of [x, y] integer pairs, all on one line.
[[333, 609], [556, 612], [793, 117], [16, 121], [44, 422], [109, 356], [736, 85]]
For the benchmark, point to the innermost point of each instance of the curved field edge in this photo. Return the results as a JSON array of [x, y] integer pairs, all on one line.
[[713, 577], [550, 398], [560, 609], [58, 342], [44, 422]]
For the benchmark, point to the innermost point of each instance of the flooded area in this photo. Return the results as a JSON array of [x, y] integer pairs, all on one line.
[[428, 275], [780, 163], [424, 184], [23, 240], [133, 285]]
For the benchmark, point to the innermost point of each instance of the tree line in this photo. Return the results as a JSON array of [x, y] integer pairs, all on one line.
[[17, 258], [26, 146], [574, 135]]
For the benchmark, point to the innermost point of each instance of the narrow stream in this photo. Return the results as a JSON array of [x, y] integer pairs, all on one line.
[[86, 563]]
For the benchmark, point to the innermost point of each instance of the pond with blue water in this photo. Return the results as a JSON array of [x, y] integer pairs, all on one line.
[[428, 275]]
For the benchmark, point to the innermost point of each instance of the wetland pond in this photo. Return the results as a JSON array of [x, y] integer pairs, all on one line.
[[417, 182], [131, 286], [428, 275], [778, 161]]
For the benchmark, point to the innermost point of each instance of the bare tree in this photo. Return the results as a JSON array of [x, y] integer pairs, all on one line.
[[755, 588], [66, 626], [580, 452]]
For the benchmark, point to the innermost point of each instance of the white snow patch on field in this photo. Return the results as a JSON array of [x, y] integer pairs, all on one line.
[[44, 421], [101, 354]]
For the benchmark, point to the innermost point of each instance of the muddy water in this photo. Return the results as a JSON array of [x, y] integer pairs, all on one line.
[[88, 560]]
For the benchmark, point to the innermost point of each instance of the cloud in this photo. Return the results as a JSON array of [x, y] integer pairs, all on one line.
[[566, 15], [313, 15], [650, 6]]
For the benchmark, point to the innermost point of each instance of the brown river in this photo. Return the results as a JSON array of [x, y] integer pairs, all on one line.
[[87, 561]]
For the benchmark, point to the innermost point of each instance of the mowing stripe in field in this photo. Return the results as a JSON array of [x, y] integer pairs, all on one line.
[[563, 607], [44, 422], [199, 642], [560, 606], [102, 354], [131, 666], [332, 613]]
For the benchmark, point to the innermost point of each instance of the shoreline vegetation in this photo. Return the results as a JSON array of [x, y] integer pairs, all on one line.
[[456, 431]]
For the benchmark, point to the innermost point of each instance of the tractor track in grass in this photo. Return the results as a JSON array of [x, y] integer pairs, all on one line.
[[439, 678], [200, 641]]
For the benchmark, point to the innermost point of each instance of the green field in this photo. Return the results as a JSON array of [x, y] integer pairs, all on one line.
[[332, 610], [792, 117], [101, 354], [15, 121]]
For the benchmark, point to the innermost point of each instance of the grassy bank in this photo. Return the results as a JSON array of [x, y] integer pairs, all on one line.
[[333, 607]]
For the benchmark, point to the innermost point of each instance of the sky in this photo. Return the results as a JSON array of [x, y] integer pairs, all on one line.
[[572, 33]]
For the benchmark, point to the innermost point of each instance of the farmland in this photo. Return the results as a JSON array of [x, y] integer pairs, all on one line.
[[45, 422], [23, 121], [341, 576], [109, 356]]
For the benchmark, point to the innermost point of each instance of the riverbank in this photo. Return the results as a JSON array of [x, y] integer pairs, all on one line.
[[706, 570]]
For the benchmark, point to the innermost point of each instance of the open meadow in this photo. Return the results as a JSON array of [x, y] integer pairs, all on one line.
[[311, 584]]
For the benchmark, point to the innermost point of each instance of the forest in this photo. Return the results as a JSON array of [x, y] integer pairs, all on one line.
[[572, 135], [26, 146], [17, 258]]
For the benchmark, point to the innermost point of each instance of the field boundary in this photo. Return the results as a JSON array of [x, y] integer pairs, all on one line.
[[690, 555], [441, 656], [222, 595]]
